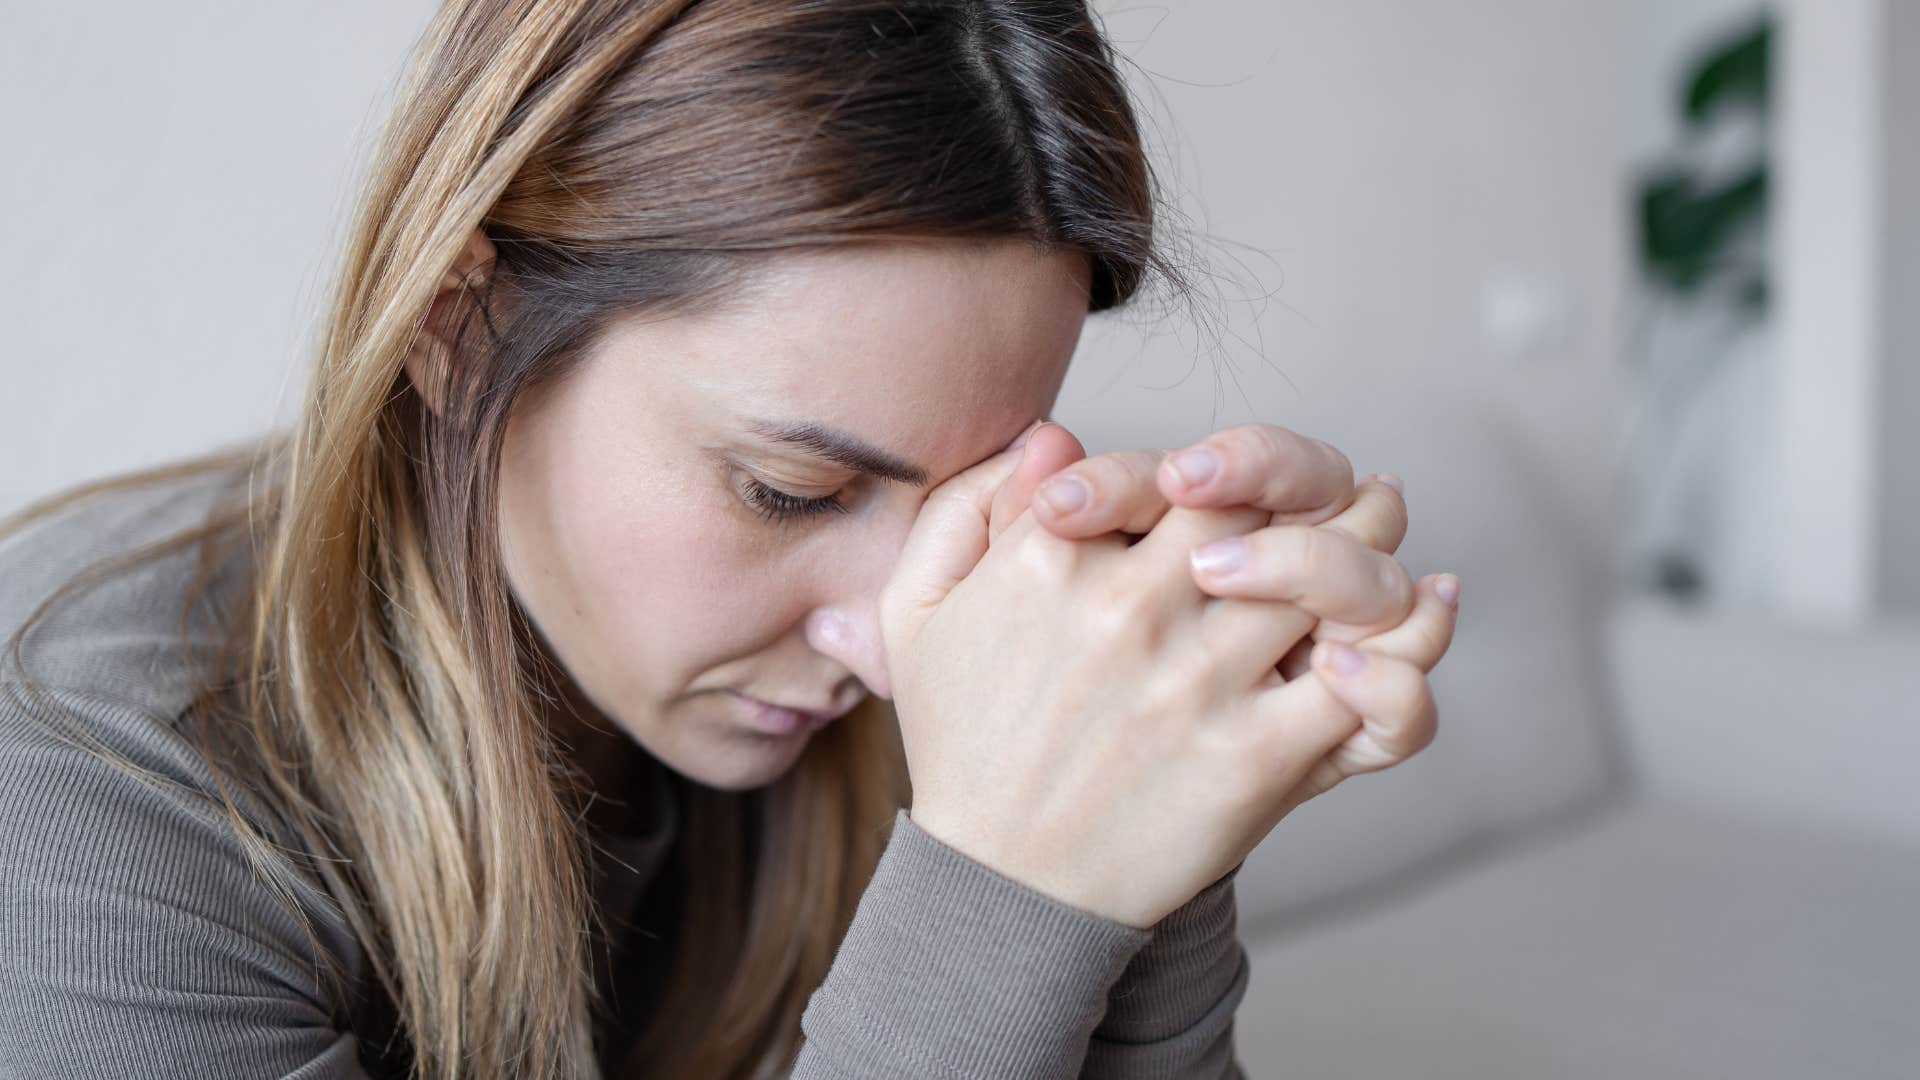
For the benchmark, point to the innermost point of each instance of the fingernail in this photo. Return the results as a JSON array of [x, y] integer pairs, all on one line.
[[1021, 439], [1064, 493], [1392, 481], [1221, 557], [1343, 658], [1449, 589], [1196, 466]]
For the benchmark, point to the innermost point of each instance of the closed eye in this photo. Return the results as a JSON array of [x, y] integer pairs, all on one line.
[[781, 506]]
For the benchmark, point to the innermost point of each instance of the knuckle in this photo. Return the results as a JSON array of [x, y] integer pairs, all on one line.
[[1272, 565], [1392, 522], [1397, 504], [1293, 467], [1125, 475], [1305, 550], [1373, 522], [1324, 778], [1273, 440], [1424, 728], [1257, 446], [1262, 448], [1414, 701], [1045, 559], [1143, 471], [1166, 687], [1140, 465], [1119, 604], [1287, 488], [1428, 644], [1338, 458], [1244, 454], [1396, 583]]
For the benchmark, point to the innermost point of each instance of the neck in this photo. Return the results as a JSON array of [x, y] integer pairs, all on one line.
[[611, 766]]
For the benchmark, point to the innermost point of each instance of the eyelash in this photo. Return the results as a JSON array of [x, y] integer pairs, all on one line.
[[781, 506]]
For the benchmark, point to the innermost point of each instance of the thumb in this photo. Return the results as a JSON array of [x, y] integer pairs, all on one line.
[[947, 539], [1050, 448]]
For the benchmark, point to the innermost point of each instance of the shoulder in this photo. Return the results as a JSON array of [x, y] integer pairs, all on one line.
[[125, 635], [137, 936]]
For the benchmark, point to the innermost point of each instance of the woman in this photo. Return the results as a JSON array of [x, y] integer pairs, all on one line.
[[501, 719]]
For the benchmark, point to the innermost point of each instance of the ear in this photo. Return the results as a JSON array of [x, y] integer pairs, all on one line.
[[431, 358]]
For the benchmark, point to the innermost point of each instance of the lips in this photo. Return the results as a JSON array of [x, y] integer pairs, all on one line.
[[815, 715]]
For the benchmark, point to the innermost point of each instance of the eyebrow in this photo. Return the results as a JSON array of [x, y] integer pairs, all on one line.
[[840, 448]]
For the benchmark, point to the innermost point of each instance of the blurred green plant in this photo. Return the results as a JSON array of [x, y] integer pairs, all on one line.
[[1701, 247], [1690, 221]]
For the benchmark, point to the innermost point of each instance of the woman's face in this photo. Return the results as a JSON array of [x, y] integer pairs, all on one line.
[[629, 523]]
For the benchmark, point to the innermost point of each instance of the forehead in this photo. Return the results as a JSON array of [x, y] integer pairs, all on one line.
[[931, 350]]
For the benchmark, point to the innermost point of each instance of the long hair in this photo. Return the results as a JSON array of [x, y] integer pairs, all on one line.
[[622, 155]]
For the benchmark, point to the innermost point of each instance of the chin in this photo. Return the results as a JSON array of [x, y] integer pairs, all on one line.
[[745, 773], [734, 760]]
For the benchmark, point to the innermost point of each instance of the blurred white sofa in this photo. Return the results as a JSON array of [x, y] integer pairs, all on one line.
[[1648, 842], [1738, 895]]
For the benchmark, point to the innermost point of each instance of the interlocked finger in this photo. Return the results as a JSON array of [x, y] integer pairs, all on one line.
[[1117, 490], [1377, 518], [1163, 554], [1304, 726], [1422, 639], [1313, 572], [1383, 713], [1301, 479]]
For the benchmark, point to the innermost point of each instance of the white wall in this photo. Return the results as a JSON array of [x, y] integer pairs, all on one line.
[[1829, 162], [1389, 169], [173, 178]]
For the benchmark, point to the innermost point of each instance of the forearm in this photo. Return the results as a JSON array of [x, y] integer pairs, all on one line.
[[950, 969], [1171, 1011]]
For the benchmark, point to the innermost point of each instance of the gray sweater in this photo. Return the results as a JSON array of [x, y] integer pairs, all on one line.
[[135, 940]]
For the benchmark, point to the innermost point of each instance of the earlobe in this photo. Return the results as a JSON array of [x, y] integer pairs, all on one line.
[[430, 358]]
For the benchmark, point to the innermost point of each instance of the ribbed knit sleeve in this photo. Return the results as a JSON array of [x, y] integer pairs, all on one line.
[[952, 970], [135, 940], [1171, 1012]]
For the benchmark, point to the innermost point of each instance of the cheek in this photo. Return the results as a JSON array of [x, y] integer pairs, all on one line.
[[675, 581], [631, 557]]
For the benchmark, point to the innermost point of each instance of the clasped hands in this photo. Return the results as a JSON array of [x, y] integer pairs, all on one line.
[[1368, 635]]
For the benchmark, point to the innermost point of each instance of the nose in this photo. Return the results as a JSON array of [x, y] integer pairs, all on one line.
[[851, 635], [844, 621]]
